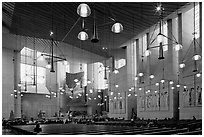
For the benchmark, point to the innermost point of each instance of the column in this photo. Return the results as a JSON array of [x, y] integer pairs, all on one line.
[[17, 99]]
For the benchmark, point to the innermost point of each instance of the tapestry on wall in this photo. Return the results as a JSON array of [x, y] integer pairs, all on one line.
[[70, 77]]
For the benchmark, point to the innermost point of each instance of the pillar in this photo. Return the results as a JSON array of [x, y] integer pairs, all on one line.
[[17, 99]]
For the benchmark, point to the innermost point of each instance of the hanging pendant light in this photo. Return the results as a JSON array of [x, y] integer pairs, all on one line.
[[178, 47], [160, 38], [151, 76], [83, 10], [140, 74], [83, 35], [196, 57], [117, 27], [182, 65], [198, 75], [147, 53], [171, 82], [95, 32], [48, 66]]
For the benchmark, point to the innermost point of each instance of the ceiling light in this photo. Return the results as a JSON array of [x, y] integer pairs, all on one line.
[[136, 78], [99, 90], [182, 65], [117, 27], [171, 82], [116, 86], [151, 76], [115, 98], [155, 91], [129, 89], [129, 95], [141, 74], [135, 95], [15, 90], [77, 97], [184, 86], [83, 35], [178, 47], [111, 93], [157, 84], [118, 93], [87, 94], [158, 8], [11, 94], [83, 10], [147, 53], [21, 95], [140, 88]]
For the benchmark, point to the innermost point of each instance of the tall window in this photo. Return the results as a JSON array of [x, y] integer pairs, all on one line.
[[27, 68], [120, 63], [197, 21]]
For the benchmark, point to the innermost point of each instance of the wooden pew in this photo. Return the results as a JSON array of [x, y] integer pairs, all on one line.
[[167, 132], [141, 131], [198, 132]]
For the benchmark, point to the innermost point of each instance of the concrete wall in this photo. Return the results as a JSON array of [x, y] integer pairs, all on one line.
[[33, 103], [7, 82]]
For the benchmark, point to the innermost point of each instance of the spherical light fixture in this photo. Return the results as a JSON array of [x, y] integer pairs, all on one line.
[[182, 65], [48, 66], [178, 85], [117, 27], [91, 91], [147, 53], [172, 88], [83, 35], [162, 81], [141, 74], [116, 71], [88, 81], [198, 75], [196, 57], [83, 10], [171, 82], [151, 76], [159, 38], [178, 47]]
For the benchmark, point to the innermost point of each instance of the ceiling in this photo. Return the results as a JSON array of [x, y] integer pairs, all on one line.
[[36, 19]]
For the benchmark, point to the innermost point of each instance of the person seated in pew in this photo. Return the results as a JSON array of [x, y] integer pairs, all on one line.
[[37, 128]]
